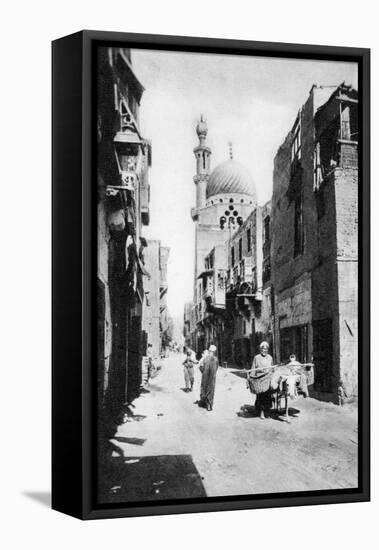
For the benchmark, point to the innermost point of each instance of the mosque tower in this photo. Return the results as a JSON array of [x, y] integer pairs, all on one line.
[[224, 199], [203, 160]]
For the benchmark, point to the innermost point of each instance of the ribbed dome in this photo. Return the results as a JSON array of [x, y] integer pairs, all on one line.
[[230, 177]]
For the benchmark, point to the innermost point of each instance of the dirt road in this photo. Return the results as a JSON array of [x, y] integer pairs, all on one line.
[[172, 448]]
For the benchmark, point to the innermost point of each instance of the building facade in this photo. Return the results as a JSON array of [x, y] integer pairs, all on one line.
[[155, 316], [225, 197], [187, 331], [285, 272], [314, 248], [124, 158], [249, 291]]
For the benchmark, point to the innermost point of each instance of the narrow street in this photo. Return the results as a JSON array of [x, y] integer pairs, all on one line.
[[171, 448]]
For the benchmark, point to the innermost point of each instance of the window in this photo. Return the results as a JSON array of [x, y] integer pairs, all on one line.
[[240, 248], [294, 340], [326, 155], [232, 254], [267, 229], [299, 226], [345, 122], [248, 236], [296, 141], [320, 201], [266, 271]]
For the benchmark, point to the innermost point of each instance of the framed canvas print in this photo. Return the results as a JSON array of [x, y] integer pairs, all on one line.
[[210, 274]]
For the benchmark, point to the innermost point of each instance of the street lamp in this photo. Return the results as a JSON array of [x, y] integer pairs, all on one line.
[[127, 150], [128, 147]]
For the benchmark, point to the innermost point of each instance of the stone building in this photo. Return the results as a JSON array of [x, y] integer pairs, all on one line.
[[248, 291], [166, 323], [187, 324], [314, 241], [155, 317], [123, 159], [210, 306], [224, 199]]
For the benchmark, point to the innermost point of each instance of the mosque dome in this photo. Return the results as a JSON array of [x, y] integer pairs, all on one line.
[[230, 177]]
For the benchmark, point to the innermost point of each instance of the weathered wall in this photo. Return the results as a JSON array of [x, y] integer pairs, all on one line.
[[348, 325], [151, 311], [291, 276], [321, 284], [294, 304], [346, 191], [287, 268]]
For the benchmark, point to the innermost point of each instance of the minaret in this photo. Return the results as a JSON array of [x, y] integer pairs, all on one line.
[[203, 159]]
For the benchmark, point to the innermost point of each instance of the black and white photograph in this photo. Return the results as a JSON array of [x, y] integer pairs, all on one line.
[[227, 312], [188, 232]]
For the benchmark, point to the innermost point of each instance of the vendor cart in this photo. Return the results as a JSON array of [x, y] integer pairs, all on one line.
[[283, 381]]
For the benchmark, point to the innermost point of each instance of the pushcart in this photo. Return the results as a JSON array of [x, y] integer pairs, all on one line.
[[283, 381]]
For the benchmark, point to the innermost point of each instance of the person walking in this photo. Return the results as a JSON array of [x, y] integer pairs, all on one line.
[[208, 378], [260, 375], [188, 365]]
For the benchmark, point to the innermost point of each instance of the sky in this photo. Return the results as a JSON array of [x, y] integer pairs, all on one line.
[[250, 101]]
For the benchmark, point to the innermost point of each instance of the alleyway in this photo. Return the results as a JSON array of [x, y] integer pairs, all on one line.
[[171, 448]]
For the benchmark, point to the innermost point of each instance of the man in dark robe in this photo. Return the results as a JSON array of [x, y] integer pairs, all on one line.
[[208, 379]]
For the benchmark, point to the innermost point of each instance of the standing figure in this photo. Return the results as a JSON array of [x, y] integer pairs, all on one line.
[[341, 392], [261, 368], [188, 365], [208, 378], [201, 362]]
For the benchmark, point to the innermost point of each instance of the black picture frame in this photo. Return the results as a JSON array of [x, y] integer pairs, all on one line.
[[74, 285]]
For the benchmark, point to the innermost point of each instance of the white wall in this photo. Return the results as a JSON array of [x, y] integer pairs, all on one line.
[[27, 28]]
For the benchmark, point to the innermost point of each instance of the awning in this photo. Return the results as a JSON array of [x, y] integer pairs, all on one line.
[[205, 273]]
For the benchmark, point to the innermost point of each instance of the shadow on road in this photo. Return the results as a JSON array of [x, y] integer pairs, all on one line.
[[248, 411], [130, 479], [280, 415], [131, 440]]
